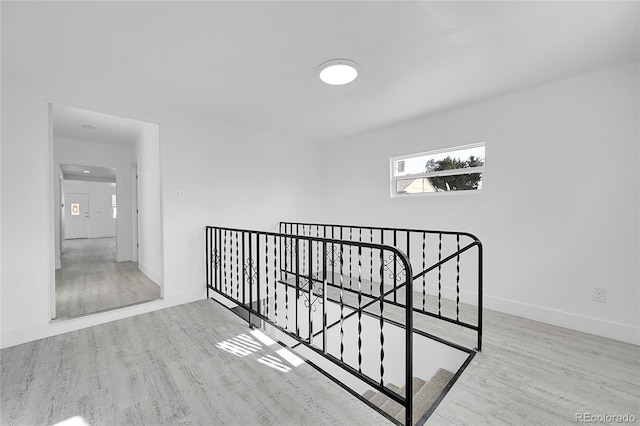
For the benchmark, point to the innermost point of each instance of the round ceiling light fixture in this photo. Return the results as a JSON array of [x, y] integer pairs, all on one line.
[[337, 72]]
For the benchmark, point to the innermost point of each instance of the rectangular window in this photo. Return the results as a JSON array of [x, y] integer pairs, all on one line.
[[114, 206], [445, 170]]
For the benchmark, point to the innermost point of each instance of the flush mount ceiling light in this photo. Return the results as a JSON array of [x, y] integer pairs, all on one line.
[[337, 72], [86, 171], [88, 126]]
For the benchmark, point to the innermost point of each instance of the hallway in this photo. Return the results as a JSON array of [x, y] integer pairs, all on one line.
[[91, 280]]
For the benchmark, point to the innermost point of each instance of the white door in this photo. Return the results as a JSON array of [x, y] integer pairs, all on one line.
[[77, 216]]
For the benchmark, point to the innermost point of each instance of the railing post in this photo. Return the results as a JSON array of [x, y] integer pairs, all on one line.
[[250, 266], [409, 346], [395, 268], [297, 247], [309, 273], [324, 296], [479, 296]]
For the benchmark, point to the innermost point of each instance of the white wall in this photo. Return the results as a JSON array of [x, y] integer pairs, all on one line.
[[69, 151], [147, 152], [197, 154], [101, 221], [558, 214]]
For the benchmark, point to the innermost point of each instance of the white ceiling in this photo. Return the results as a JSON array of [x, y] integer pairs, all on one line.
[[96, 174], [253, 63]]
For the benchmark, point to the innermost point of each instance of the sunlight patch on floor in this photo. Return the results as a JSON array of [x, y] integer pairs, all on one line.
[[244, 345], [73, 421]]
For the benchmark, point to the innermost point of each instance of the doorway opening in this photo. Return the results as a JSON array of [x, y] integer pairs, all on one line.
[[107, 215]]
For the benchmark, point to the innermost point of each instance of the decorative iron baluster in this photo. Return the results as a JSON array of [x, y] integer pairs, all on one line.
[[333, 263], [424, 266], [286, 288], [219, 271], [293, 247], [237, 269], [250, 263], [224, 261], [371, 261], [439, 273], [381, 317], [350, 251], [275, 278], [458, 279], [341, 302], [317, 253], [216, 262], [244, 277], [304, 258], [286, 257], [395, 269], [360, 306], [266, 266], [231, 263]]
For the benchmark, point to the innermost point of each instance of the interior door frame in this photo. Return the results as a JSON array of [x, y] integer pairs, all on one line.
[[51, 234]]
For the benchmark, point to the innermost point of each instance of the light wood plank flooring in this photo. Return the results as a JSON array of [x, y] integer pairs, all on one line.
[[531, 373], [91, 280], [164, 368]]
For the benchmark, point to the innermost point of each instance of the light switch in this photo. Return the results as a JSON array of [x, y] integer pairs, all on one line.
[[177, 192]]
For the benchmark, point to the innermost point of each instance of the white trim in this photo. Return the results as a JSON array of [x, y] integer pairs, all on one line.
[[440, 151], [53, 328], [152, 275], [51, 210], [610, 329]]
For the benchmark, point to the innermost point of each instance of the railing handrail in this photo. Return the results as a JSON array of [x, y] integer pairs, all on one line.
[[381, 228], [407, 400], [335, 241]]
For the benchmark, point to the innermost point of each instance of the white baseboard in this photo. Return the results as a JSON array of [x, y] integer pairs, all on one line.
[[152, 275], [599, 327]]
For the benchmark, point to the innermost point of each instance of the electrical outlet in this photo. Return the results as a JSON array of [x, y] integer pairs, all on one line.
[[600, 295]]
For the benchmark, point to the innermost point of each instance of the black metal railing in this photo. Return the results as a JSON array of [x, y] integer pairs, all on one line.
[[448, 281], [325, 292]]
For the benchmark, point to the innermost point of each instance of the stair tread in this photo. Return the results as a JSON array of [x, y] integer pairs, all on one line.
[[392, 407], [369, 393], [417, 383], [427, 394]]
